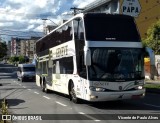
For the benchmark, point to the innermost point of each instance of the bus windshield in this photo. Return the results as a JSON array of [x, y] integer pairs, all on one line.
[[103, 27], [116, 64]]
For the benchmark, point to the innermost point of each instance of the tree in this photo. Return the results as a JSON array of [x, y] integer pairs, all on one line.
[[153, 37], [14, 59], [21, 59], [3, 49]]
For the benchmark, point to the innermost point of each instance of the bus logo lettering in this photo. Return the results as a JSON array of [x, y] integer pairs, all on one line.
[[63, 51]]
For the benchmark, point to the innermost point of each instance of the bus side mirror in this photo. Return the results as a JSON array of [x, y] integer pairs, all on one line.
[[87, 56]]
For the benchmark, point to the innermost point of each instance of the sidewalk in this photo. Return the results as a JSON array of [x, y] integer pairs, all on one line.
[[152, 81]]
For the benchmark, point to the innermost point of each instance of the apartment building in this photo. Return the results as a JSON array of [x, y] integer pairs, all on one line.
[[30, 48], [15, 47], [23, 47]]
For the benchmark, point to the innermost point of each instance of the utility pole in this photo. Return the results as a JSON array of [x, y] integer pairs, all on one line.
[[76, 10], [44, 26]]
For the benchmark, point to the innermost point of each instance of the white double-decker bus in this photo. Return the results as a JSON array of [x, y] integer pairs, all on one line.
[[94, 57]]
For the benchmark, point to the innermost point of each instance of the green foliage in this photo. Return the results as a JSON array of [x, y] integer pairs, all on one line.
[[153, 37], [14, 59], [21, 59], [152, 86], [3, 49]]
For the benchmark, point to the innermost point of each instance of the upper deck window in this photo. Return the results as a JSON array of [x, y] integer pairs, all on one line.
[[103, 27]]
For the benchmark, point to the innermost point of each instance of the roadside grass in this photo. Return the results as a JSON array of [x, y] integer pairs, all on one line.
[[4, 110], [155, 86]]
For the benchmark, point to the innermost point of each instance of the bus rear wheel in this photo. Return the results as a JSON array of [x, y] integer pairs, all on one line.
[[72, 94]]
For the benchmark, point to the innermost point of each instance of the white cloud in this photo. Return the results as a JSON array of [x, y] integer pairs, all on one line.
[[38, 28], [27, 14], [82, 3]]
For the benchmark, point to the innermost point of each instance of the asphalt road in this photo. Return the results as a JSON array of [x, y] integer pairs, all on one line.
[[28, 99]]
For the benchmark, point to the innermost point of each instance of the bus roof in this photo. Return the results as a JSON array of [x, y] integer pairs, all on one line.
[[87, 14]]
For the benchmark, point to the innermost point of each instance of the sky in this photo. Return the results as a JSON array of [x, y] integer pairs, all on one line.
[[27, 15]]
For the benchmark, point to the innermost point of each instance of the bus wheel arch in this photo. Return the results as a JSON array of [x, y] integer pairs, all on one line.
[[43, 85], [40, 80], [72, 93]]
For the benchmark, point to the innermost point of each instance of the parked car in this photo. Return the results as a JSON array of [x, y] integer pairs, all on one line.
[[26, 72]]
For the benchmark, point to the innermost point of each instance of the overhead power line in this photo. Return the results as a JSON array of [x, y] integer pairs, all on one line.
[[76, 10]]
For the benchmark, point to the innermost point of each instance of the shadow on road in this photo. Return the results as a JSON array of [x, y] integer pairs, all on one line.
[[13, 102]]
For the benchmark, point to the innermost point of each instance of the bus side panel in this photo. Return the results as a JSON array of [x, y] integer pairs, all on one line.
[[37, 80]]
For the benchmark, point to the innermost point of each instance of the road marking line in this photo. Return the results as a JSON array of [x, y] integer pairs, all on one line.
[[36, 92], [152, 105], [46, 97], [29, 89], [24, 87], [89, 117], [61, 103]]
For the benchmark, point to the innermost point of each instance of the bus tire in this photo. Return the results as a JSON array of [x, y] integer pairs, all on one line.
[[22, 79], [72, 93], [44, 86]]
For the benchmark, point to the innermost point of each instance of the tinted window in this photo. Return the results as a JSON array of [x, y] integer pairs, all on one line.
[[28, 69], [103, 27], [66, 65], [116, 64], [61, 35], [78, 29]]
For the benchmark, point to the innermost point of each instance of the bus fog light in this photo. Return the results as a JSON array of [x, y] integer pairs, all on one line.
[[93, 97], [100, 89]]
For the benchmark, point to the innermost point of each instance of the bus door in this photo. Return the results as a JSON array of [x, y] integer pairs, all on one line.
[[61, 76], [79, 47], [49, 66], [57, 74]]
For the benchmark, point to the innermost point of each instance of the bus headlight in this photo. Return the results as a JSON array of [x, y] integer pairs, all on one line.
[[98, 89], [139, 87]]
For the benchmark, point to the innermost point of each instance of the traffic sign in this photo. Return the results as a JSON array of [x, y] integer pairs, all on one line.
[[131, 7]]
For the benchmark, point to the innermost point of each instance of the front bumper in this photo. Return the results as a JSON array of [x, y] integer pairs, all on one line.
[[109, 96]]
